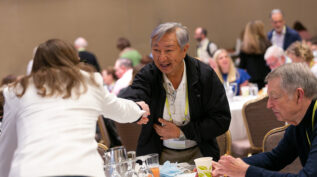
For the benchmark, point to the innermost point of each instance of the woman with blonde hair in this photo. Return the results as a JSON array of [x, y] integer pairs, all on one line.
[[301, 52], [252, 52], [50, 116], [227, 72]]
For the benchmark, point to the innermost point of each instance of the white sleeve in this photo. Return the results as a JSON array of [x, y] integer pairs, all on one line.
[[119, 109], [8, 136]]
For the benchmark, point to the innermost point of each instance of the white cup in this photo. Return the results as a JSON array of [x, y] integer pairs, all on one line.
[[204, 166], [245, 90]]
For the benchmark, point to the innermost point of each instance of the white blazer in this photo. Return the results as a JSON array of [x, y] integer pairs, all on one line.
[[52, 136]]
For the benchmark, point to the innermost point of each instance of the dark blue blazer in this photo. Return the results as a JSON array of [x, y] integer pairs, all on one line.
[[290, 37]]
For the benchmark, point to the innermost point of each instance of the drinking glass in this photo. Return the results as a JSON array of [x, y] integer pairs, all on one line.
[[144, 171], [131, 169], [153, 163], [115, 155]]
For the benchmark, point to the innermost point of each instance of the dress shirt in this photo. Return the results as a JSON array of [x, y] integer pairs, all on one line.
[[123, 82], [177, 103], [202, 53], [278, 39]]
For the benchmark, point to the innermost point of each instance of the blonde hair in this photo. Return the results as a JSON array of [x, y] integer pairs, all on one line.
[[232, 75], [301, 50], [254, 38]]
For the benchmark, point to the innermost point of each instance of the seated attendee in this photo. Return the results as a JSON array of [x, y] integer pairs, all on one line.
[[87, 57], [227, 72], [292, 95], [50, 116], [274, 57], [126, 51], [302, 31], [109, 78], [124, 71], [301, 52]]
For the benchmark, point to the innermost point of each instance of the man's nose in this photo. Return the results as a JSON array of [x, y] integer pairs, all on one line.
[[162, 56]]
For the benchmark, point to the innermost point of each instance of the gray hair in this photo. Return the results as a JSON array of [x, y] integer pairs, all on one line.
[[127, 63], [276, 11], [293, 76], [80, 42], [180, 30], [274, 51]]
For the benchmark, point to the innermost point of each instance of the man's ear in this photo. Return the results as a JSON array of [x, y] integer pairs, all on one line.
[[299, 95], [186, 47]]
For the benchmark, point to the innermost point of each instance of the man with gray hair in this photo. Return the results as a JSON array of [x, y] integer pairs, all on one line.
[[188, 104], [292, 91], [124, 71], [281, 35], [274, 57]]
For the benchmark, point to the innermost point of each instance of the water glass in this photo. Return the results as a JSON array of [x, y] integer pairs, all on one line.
[[153, 163]]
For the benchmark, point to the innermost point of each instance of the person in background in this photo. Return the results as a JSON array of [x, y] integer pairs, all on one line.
[[281, 35], [292, 95], [188, 103], [109, 78], [252, 52], [124, 71], [302, 31], [227, 72], [126, 51], [85, 56], [274, 57], [205, 48], [301, 52], [50, 116]]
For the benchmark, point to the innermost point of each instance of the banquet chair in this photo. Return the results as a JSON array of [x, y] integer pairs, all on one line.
[[224, 143], [258, 120], [101, 150], [103, 131], [271, 140], [129, 134]]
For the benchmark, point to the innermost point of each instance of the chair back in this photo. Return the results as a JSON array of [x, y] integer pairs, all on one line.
[[224, 143], [271, 140], [103, 131], [258, 121], [129, 134]]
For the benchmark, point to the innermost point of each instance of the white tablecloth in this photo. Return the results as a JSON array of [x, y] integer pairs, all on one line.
[[237, 128]]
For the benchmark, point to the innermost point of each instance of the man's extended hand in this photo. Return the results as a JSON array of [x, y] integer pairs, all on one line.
[[168, 130]]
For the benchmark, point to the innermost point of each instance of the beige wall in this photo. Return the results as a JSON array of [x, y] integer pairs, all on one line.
[[26, 23]]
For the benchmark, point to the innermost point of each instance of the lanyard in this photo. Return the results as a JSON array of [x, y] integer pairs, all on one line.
[[186, 107], [313, 123]]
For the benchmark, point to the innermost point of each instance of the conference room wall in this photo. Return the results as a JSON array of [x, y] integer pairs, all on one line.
[[26, 23]]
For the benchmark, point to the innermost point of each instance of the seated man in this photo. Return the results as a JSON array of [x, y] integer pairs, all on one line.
[[189, 107], [292, 97]]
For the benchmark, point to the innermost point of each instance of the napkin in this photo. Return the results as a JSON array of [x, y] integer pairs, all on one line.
[[169, 169]]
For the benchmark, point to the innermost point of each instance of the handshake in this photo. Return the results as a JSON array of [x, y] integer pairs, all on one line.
[[144, 119]]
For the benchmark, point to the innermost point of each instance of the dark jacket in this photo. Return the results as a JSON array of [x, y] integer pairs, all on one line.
[[208, 106], [294, 144], [89, 58], [255, 65], [290, 37]]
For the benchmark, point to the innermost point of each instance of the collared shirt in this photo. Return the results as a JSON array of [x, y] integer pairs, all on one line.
[[202, 53], [278, 39], [123, 82], [177, 103]]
